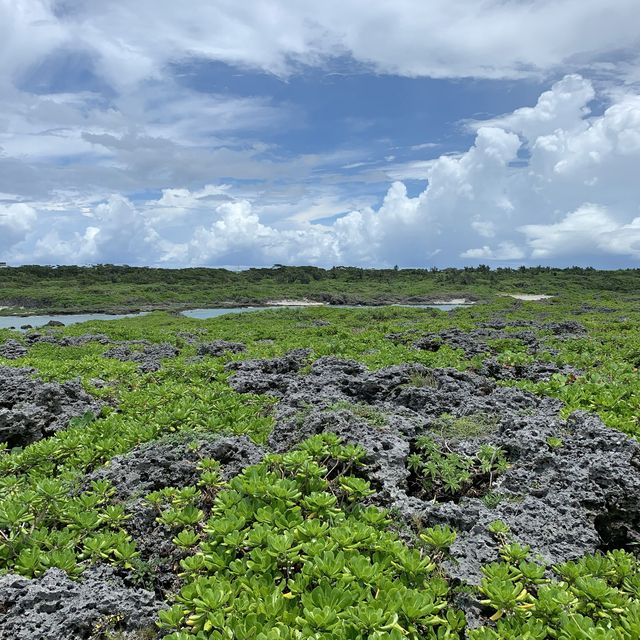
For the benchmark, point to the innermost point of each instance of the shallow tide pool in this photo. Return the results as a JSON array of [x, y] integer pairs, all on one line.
[[16, 322]]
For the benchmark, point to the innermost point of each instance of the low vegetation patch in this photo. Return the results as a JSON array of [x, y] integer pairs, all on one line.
[[298, 546], [440, 474]]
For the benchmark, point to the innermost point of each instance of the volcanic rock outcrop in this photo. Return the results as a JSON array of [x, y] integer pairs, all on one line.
[[572, 486], [31, 409]]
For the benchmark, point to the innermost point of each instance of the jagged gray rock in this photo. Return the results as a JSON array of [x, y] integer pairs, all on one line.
[[219, 347], [12, 350], [31, 409], [170, 462], [149, 357], [78, 341], [53, 607], [564, 502], [534, 371]]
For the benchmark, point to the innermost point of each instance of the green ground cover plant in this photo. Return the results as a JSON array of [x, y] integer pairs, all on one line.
[[594, 598], [443, 474], [289, 551], [292, 548]]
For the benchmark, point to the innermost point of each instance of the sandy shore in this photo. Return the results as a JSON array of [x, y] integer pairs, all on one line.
[[453, 301], [527, 296], [294, 303]]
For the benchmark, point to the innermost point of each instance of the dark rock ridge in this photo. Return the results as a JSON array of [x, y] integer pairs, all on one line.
[[31, 409], [54, 607], [219, 347], [564, 499]]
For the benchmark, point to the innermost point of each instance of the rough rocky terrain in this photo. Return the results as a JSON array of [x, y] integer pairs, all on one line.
[[572, 486], [66, 341], [171, 462], [219, 347], [12, 350], [534, 371], [149, 357], [31, 409], [563, 501], [54, 607], [476, 341]]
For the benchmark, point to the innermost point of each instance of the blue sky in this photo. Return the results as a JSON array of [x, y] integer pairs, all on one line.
[[409, 133]]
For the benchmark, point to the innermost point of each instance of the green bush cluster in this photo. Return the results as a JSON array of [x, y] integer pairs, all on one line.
[[289, 551], [47, 522], [444, 475], [594, 598]]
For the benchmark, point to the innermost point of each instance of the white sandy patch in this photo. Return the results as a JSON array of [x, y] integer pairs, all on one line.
[[527, 296], [453, 301], [294, 303]]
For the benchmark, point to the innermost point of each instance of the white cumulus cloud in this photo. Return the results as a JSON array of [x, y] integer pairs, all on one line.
[[549, 183], [16, 221]]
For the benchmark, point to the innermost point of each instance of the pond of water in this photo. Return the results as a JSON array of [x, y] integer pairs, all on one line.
[[16, 322]]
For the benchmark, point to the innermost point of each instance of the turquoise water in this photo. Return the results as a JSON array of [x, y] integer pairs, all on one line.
[[7, 322], [203, 314]]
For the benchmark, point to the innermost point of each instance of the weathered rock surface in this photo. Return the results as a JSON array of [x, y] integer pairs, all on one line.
[[268, 376], [149, 357], [476, 341], [66, 341], [36, 336], [31, 409], [534, 371], [188, 336], [54, 607], [12, 350], [219, 347], [456, 339], [171, 462], [78, 341], [563, 501]]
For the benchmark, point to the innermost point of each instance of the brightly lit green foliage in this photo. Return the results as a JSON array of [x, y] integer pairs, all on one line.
[[288, 546]]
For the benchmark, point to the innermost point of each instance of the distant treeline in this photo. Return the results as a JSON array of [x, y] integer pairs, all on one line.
[[111, 287]]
